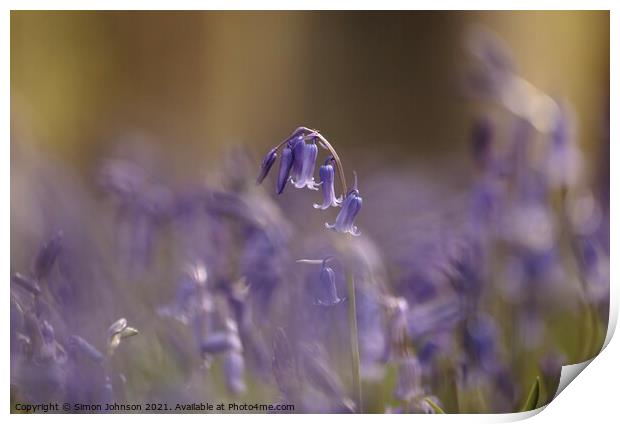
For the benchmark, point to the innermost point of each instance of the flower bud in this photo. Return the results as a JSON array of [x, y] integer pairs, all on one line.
[[265, 167]]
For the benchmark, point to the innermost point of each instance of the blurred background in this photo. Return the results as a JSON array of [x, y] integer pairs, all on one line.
[[136, 138], [202, 80]]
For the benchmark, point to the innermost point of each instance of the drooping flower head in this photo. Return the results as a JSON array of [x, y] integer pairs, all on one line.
[[297, 162], [326, 173], [345, 221]]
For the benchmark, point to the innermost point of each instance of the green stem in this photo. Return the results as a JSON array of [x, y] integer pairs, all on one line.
[[355, 352]]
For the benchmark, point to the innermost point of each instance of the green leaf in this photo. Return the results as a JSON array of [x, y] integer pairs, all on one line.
[[433, 405], [532, 397]]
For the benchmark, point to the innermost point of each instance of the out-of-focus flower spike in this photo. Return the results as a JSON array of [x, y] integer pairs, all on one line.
[[345, 221], [268, 162], [26, 283], [47, 332], [220, 342], [480, 339], [482, 138], [286, 163], [397, 309], [234, 370], [47, 256], [79, 345], [565, 162], [490, 50], [409, 384], [49, 348], [326, 173]]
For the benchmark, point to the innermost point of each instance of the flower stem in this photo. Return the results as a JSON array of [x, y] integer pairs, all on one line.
[[355, 352]]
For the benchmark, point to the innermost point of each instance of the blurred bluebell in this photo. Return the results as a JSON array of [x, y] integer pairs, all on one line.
[[26, 283], [409, 385], [220, 342], [480, 341], [78, 345], [234, 370], [482, 138], [47, 256]]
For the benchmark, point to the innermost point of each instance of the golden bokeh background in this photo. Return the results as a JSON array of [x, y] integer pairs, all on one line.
[[195, 81]]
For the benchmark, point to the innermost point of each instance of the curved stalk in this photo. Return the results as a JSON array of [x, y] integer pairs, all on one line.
[[352, 312], [315, 134]]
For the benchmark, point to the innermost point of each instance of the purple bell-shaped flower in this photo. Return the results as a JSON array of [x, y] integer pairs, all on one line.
[[326, 173], [328, 295], [345, 221], [305, 155]]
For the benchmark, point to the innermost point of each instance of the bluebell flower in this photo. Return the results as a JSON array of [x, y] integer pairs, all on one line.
[[286, 163], [326, 173], [47, 256], [265, 167], [220, 342], [350, 208], [305, 155], [328, 295]]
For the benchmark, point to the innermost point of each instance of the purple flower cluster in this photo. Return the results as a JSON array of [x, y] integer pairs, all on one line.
[[297, 165], [153, 289]]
